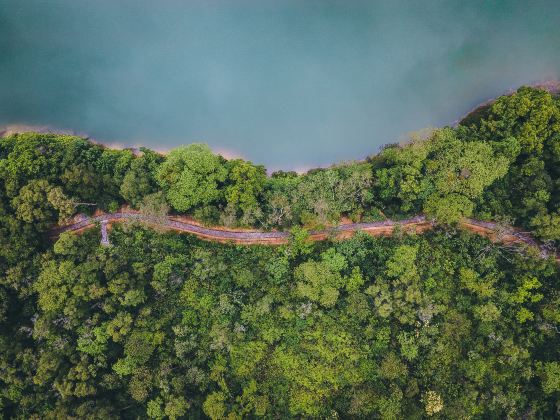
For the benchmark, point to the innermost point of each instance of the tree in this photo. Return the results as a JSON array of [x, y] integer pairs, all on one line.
[[401, 182], [87, 184], [399, 294], [316, 197], [463, 167], [460, 171], [245, 185], [214, 406], [139, 181], [448, 209], [550, 377], [433, 402], [524, 128], [176, 407], [547, 226], [280, 209], [278, 201], [64, 206], [318, 282], [39, 202], [337, 364], [30, 156], [155, 205], [191, 176]]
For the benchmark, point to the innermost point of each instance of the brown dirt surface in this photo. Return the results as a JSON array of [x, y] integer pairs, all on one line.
[[495, 232]]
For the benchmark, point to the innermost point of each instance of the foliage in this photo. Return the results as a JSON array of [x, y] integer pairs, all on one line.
[[160, 325], [190, 176], [164, 325], [524, 128], [139, 181]]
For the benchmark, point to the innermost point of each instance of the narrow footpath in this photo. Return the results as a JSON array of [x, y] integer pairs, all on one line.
[[417, 224]]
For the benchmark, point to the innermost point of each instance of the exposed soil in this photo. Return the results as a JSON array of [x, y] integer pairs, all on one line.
[[418, 224]]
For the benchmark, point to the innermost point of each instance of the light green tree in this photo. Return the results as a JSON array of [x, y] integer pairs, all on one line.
[[191, 176], [39, 202], [459, 171], [245, 184]]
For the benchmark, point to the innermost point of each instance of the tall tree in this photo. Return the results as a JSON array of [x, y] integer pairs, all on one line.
[[191, 176]]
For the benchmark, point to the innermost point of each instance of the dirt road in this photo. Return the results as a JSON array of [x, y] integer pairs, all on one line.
[[418, 224]]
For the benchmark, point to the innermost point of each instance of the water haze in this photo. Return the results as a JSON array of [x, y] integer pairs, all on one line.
[[291, 84]]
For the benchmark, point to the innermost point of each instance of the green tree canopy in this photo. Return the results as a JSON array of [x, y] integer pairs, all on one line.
[[191, 175]]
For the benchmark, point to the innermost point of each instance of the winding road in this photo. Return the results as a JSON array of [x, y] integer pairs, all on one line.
[[418, 224]]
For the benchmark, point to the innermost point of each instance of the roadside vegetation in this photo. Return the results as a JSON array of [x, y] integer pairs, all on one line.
[[161, 325]]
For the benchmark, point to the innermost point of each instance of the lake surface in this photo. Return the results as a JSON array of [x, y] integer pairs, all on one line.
[[289, 84]]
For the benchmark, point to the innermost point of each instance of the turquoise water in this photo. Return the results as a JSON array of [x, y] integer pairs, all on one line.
[[290, 84]]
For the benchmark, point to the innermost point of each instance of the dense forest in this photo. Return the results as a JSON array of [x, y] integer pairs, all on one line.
[[162, 325]]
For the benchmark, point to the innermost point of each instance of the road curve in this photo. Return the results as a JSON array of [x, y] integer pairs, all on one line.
[[418, 224]]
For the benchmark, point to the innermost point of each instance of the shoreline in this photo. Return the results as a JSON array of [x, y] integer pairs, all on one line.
[[551, 86]]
